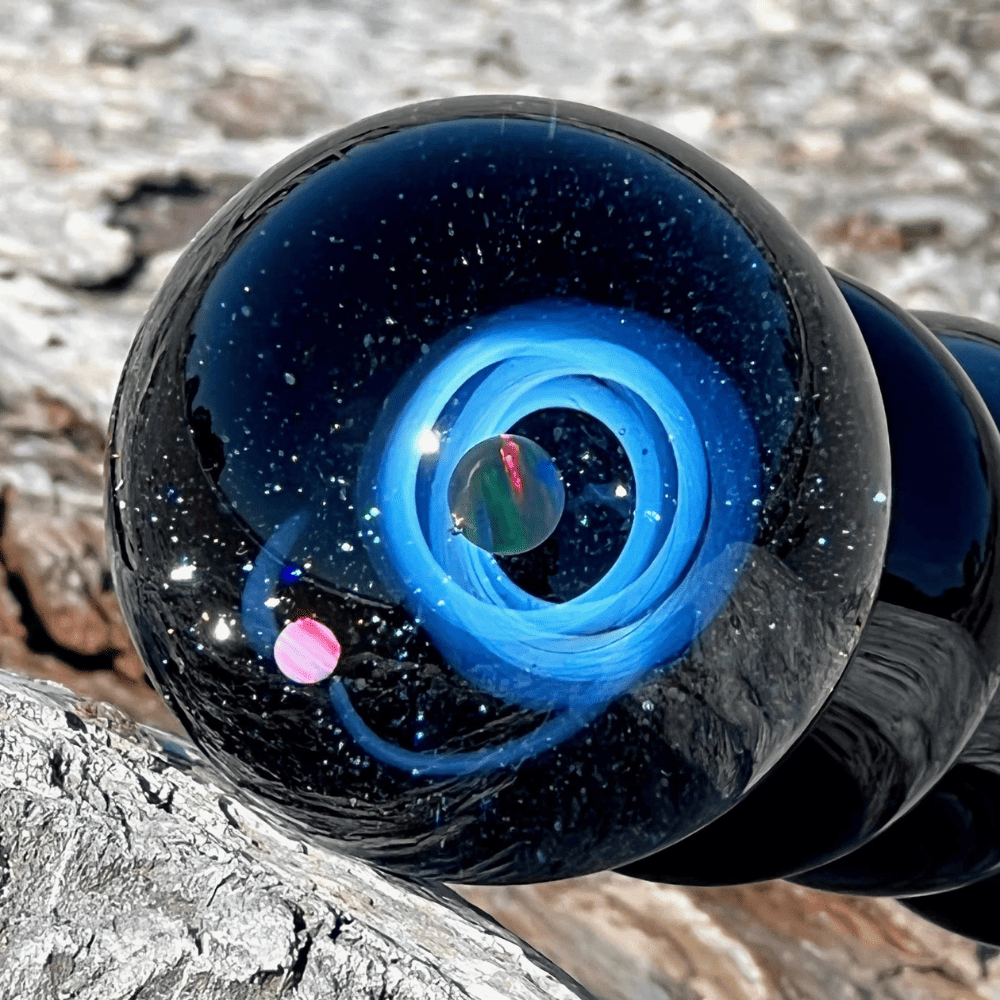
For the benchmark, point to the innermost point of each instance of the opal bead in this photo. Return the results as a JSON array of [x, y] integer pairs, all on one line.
[[506, 495]]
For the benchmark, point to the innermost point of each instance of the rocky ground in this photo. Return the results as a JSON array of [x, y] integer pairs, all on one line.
[[124, 124]]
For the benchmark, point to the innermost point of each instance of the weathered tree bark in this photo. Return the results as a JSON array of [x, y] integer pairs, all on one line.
[[123, 876]]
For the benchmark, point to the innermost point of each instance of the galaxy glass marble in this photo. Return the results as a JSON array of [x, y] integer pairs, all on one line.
[[500, 491], [305, 393]]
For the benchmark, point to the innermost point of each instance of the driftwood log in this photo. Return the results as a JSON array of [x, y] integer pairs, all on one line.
[[124, 875], [123, 126]]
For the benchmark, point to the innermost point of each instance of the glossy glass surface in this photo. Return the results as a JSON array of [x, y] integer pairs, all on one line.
[[312, 377], [952, 837], [928, 662]]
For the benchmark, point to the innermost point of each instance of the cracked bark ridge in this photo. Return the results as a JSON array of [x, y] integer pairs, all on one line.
[[121, 875]]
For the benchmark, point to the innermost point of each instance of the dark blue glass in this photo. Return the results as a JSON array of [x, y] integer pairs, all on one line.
[[958, 844], [951, 838], [350, 330], [925, 670], [499, 490]]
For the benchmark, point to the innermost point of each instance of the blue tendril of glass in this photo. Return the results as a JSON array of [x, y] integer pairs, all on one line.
[[695, 462]]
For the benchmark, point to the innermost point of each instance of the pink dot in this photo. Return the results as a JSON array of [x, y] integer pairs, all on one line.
[[306, 651]]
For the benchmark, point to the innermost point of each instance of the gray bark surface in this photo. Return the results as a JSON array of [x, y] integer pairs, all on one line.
[[122, 875]]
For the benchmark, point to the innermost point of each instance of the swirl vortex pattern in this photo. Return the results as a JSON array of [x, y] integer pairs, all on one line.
[[691, 446], [640, 613]]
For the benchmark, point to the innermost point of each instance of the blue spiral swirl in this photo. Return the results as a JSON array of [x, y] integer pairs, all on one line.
[[260, 624], [675, 413], [695, 461]]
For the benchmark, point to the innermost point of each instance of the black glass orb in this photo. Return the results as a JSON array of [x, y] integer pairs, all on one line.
[[616, 659], [951, 838], [945, 857], [920, 683]]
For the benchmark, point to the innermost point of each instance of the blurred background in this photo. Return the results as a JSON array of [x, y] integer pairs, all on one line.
[[124, 124]]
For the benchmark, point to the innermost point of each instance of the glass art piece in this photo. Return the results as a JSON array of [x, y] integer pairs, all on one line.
[[500, 490]]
